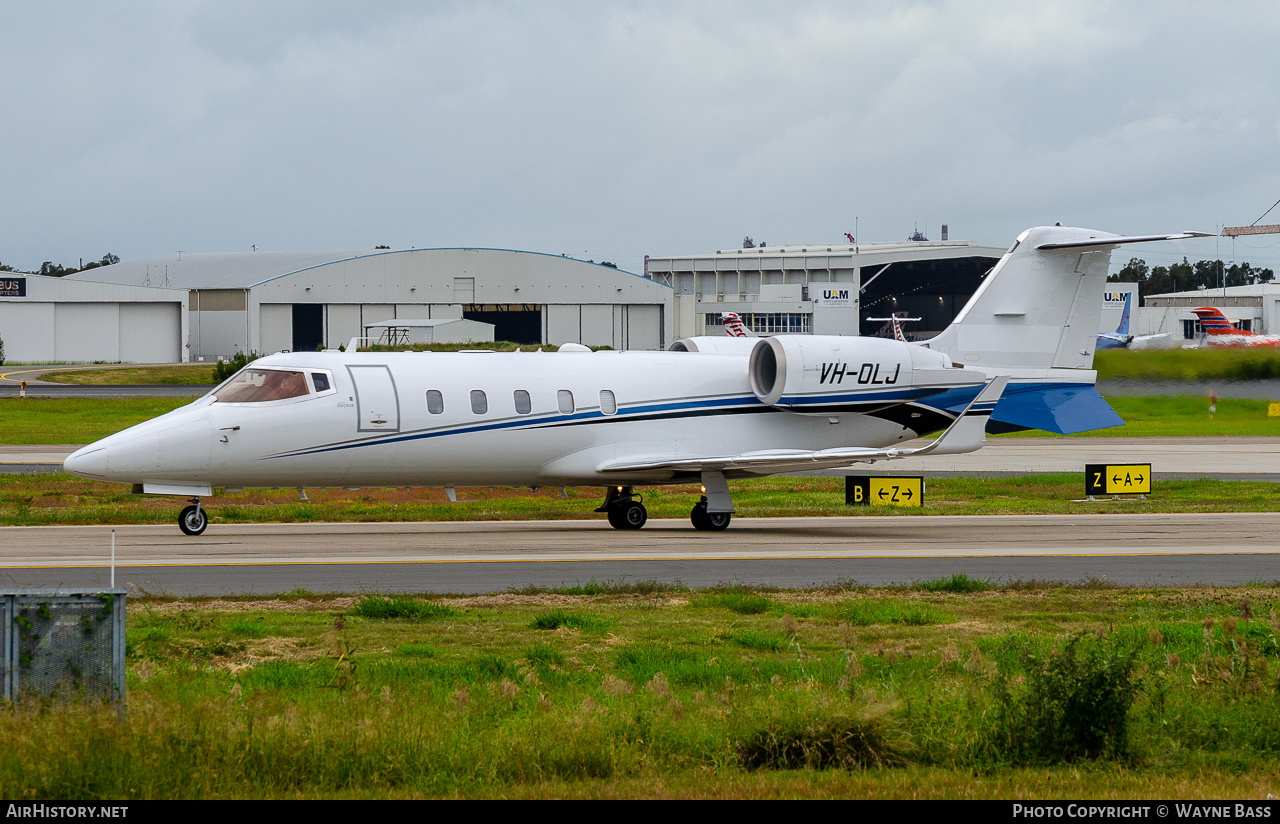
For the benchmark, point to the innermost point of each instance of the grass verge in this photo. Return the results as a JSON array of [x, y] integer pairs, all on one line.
[[171, 374], [1215, 364], [42, 500], [1032, 691]]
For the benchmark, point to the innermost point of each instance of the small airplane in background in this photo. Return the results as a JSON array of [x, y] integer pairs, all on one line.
[[709, 410], [1121, 339], [1218, 331], [897, 321]]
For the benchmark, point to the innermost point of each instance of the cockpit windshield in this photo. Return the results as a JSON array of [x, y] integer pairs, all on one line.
[[258, 385]]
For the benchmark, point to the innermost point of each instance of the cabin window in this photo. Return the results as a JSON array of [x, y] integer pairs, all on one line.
[[320, 381], [254, 385], [523, 404], [608, 403], [435, 402], [479, 402], [565, 399]]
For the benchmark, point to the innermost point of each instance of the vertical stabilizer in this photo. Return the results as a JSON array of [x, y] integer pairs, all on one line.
[[1039, 307], [1123, 328]]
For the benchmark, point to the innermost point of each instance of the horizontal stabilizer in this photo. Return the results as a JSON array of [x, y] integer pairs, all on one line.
[[1101, 243]]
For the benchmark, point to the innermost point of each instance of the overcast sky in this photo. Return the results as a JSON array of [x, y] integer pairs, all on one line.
[[611, 130]]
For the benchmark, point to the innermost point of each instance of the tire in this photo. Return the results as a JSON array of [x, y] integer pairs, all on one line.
[[193, 520], [718, 521], [699, 517], [708, 521], [615, 518], [633, 515]]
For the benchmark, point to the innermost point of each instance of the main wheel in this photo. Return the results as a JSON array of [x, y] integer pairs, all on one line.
[[708, 521], [633, 515], [615, 517], [193, 520]]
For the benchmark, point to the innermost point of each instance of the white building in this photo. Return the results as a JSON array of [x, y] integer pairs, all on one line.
[[1254, 308], [274, 301], [47, 319], [824, 288]]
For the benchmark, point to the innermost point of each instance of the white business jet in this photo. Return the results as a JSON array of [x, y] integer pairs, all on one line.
[[708, 410]]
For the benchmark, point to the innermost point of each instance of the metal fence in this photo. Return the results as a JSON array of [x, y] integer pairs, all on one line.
[[63, 644]]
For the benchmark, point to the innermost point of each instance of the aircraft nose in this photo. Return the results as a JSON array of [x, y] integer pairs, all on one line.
[[87, 462]]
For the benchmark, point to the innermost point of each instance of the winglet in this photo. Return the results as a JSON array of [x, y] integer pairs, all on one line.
[[968, 432]]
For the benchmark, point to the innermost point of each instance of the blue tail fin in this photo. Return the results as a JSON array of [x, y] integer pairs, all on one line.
[[1123, 328]]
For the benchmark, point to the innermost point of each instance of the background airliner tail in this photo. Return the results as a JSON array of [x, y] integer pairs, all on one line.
[[1213, 322], [1123, 328], [1039, 308]]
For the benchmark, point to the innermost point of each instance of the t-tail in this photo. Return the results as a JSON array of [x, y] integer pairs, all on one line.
[[1035, 317], [1039, 308]]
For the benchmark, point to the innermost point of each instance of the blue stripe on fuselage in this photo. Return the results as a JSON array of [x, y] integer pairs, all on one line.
[[1063, 408]]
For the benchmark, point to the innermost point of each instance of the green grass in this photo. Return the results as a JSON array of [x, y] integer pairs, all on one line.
[[1215, 364], [35, 500], [557, 618], [400, 606], [1127, 693], [76, 420], [1181, 416]]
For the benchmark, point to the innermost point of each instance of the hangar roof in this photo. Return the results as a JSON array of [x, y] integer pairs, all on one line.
[[245, 270]]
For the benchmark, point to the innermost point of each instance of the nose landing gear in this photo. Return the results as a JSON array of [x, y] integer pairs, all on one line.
[[193, 519]]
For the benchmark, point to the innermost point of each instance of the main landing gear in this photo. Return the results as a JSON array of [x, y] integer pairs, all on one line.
[[624, 511], [708, 521], [193, 519]]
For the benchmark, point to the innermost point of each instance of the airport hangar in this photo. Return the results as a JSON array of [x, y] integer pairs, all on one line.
[[47, 319], [301, 301], [274, 301]]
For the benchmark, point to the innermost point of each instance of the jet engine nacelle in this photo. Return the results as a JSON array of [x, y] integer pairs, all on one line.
[[711, 345], [798, 371]]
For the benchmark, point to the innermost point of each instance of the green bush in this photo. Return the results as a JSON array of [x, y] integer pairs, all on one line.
[[225, 369], [1072, 705]]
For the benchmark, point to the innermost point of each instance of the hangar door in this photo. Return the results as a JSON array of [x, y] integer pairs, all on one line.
[[517, 323], [377, 405], [308, 327]]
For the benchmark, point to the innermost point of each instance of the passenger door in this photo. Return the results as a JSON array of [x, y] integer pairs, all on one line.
[[377, 404]]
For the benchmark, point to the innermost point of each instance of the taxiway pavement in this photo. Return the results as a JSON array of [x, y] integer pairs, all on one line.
[[1222, 549]]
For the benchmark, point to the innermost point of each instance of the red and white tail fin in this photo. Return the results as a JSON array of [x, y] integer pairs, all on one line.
[[734, 326], [1215, 323]]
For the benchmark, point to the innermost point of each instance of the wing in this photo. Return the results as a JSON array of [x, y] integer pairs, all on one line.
[[965, 434]]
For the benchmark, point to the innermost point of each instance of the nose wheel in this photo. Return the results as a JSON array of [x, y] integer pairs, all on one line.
[[193, 519]]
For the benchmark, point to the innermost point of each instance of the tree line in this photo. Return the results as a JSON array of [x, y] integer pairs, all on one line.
[[57, 270], [1188, 277]]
